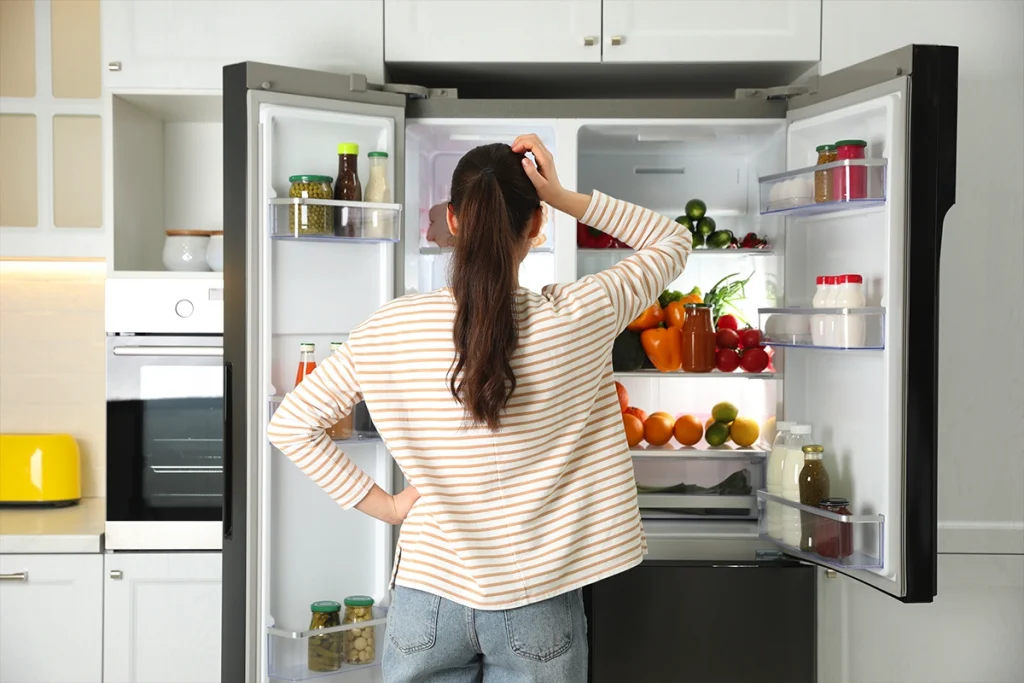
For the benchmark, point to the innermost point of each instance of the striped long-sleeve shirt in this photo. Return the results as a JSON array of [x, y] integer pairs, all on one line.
[[544, 505]]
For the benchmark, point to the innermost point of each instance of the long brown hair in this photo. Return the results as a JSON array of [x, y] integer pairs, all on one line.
[[493, 200]]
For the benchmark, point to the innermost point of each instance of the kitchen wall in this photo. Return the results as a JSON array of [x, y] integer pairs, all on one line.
[[51, 313]]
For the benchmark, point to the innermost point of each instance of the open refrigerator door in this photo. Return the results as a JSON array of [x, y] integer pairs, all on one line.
[[302, 269]]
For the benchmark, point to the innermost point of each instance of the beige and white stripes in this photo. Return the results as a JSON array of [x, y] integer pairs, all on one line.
[[543, 506]]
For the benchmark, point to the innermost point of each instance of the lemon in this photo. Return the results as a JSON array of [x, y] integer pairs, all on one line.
[[724, 412], [717, 434], [744, 431]]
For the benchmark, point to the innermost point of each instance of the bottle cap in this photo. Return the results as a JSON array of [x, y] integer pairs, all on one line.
[[310, 179], [325, 606], [784, 426], [348, 148], [800, 429], [852, 278], [378, 155], [820, 280], [307, 346], [813, 448], [830, 279], [358, 601], [851, 143], [825, 148]]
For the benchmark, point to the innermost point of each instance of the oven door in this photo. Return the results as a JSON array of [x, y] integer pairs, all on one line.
[[165, 442]]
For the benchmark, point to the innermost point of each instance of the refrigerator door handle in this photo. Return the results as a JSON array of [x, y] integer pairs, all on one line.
[[227, 457]]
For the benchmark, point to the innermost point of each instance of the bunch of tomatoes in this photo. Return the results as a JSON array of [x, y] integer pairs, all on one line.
[[736, 348]]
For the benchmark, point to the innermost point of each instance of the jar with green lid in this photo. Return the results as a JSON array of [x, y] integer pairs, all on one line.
[[310, 219], [325, 652], [360, 643], [823, 179]]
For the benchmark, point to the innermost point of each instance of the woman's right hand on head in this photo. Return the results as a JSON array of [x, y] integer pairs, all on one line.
[[544, 177]]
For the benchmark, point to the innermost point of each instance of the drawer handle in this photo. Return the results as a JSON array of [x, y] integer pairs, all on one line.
[[617, 40], [116, 574], [589, 41], [17, 576]]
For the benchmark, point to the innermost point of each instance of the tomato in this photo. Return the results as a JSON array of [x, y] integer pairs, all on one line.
[[726, 338], [728, 322], [754, 359], [727, 360], [749, 338]]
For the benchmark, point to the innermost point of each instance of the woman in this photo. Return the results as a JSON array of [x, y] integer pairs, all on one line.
[[499, 406]]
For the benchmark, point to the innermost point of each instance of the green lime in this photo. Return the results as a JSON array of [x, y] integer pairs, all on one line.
[[696, 209], [698, 240], [717, 434], [724, 412], [706, 225], [719, 239], [686, 222]]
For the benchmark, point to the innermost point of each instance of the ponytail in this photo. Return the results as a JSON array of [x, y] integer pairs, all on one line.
[[493, 201]]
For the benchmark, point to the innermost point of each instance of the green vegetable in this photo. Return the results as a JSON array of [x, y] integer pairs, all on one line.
[[736, 484], [627, 352], [696, 209], [668, 296], [698, 240], [725, 293], [686, 222], [719, 239], [706, 226]]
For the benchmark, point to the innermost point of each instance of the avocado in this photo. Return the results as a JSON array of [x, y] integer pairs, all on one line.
[[719, 239], [706, 225], [696, 209]]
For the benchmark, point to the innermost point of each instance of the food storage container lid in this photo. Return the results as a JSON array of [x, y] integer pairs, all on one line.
[[851, 143], [813, 448], [348, 148], [310, 179], [358, 601], [801, 429], [378, 155], [325, 606], [851, 278], [834, 502], [825, 148], [188, 233]]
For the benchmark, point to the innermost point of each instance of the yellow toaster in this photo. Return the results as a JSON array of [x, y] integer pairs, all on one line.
[[39, 469]]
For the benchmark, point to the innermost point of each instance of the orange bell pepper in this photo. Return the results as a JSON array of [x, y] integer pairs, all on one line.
[[664, 346], [675, 313], [651, 317], [693, 297]]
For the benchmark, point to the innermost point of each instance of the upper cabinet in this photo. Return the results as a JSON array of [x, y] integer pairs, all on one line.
[[712, 31], [513, 31], [174, 44]]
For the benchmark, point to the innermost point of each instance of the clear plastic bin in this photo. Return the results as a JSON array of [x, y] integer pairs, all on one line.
[[289, 650], [369, 222], [849, 328], [792, 192]]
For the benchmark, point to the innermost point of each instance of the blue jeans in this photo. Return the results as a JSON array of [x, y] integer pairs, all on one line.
[[433, 640]]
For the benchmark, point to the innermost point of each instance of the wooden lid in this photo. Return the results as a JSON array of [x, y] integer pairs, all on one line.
[[188, 233]]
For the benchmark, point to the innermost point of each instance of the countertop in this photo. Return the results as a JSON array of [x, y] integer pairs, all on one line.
[[75, 529]]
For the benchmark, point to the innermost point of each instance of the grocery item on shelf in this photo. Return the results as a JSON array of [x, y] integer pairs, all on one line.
[[823, 179], [651, 317], [849, 331], [814, 488], [659, 428], [342, 429], [588, 237], [347, 188], [698, 339], [628, 352], [850, 182], [437, 228], [833, 538], [773, 477], [818, 330], [790, 193], [185, 250], [688, 430], [744, 431], [307, 361], [831, 290], [325, 652], [360, 643], [664, 347], [378, 223], [799, 436], [310, 219], [215, 251]]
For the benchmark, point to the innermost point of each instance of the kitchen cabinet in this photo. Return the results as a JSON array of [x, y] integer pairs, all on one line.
[[513, 31], [51, 621], [161, 618], [172, 44], [711, 31]]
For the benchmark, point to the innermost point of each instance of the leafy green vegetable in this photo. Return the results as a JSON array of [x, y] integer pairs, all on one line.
[[725, 293], [668, 296], [627, 352]]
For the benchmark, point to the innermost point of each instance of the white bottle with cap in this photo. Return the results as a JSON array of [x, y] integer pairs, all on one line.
[[818, 321], [850, 330], [773, 477], [831, 289], [799, 436]]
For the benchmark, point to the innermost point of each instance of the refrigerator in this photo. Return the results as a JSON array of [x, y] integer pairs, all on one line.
[[873, 407]]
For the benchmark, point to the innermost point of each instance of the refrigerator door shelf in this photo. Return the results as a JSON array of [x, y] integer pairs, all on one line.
[[755, 454], [436, 251], [866, 533], [289, 650], [842, 329], [369, 222], [714, 374], [619, 254], [843, 185]]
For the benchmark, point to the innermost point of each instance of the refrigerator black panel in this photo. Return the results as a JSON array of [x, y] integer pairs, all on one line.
[[445, 108], [931, 171], [236, 171]]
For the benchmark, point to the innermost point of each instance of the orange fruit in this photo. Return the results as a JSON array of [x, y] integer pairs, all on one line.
[[688, 430], [623, 397], [634, 429], [658, 428], [636, 411]]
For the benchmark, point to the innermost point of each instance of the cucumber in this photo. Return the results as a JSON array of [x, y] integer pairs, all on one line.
[[706, 225], [720, 239]]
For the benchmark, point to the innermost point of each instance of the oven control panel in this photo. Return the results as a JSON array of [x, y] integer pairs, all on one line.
[[164, 306]]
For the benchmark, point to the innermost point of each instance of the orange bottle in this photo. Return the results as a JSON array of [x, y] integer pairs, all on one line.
[[307, 361]]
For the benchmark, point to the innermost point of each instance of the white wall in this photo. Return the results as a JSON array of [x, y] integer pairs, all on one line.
[[974, 630]]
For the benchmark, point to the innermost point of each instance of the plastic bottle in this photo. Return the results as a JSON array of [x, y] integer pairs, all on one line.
[[849, 331], [831, 289], [818, 321], [773, 477], [799, 436]]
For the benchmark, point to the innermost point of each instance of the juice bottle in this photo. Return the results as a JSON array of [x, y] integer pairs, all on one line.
[[307, 361], [773, 477]]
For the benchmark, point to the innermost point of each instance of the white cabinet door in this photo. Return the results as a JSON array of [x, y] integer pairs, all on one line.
[[516, 31], [162, 618], [51, 618], [712, 30], [174, 44]]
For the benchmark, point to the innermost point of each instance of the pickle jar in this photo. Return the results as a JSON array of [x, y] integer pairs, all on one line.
[[326, 651], [342, 429], [823, 179], [310, 219], [360, 643]]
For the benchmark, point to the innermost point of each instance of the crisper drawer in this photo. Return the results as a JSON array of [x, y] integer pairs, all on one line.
[[700, 483]]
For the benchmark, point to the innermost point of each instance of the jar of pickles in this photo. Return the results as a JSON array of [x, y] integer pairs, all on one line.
[[310, 219], [823, 179], [325, 652], [360, 643]]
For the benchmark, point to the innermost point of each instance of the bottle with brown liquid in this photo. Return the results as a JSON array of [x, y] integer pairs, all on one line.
[[814, 488], [347, 188]]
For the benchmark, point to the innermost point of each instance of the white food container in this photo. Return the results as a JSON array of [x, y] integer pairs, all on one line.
[[185, 250], [215, 251]]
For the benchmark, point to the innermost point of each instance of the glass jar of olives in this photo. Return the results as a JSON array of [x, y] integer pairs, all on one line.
[[310, 219], [360, 643], [325, 652]]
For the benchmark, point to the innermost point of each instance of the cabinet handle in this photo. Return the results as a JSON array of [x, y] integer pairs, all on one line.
[[17, 576], [116, 574], [617, 40], [113, 66], [589, 41]]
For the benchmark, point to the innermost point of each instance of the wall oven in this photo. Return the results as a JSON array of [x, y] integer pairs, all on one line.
[[165, 415]]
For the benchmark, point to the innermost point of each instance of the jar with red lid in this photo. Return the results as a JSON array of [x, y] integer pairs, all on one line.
[[850, 182], [832, 537]]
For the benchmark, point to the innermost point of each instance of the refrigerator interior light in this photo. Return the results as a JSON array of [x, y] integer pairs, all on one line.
[[476, 137]]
